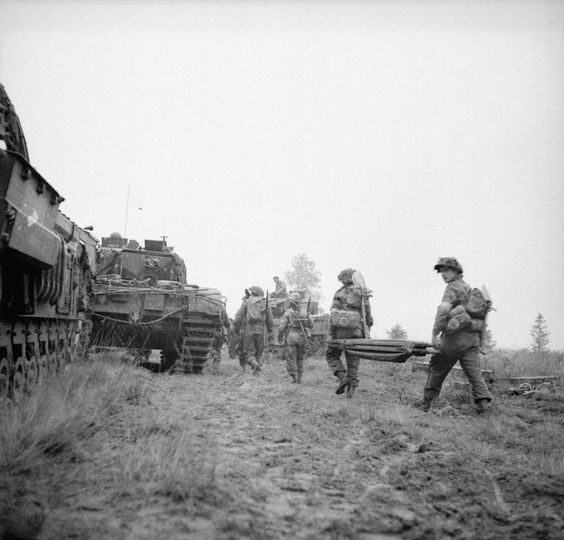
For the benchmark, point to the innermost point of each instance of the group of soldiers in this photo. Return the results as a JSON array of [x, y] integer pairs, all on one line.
[[351, 318]]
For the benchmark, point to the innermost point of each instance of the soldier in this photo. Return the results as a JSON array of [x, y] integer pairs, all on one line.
[[280, 290], [250, 321], [348, 309], [293, 333], [221, 336], [457, 337], [236, 337]]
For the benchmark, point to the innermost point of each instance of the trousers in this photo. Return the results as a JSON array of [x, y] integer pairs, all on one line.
[[462, 347]]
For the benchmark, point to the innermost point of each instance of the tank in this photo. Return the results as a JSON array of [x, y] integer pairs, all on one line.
[[46, 267], [142, 301]]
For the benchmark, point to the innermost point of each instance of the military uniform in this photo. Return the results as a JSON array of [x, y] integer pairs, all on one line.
[[280, 291], [347, 298], [252, 332], [461, 344], [220, 337], [293, 330]]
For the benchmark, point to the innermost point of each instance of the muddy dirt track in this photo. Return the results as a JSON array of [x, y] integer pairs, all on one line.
[[229, 455]]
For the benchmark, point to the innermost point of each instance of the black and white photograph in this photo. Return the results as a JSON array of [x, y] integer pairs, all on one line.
[[281, 269]]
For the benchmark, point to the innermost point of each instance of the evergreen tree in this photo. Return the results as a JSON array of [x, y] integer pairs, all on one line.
[[489, 342], [396, 332], [540, 333], [304, 276]]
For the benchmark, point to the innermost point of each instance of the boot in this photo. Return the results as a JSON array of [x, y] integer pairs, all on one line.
[[294, 378], [483, 405], [424, 404], [299, 379], [255, 366], [343, 385]]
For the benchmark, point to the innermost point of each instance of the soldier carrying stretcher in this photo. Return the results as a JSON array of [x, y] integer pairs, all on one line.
[[350, 318], [459, 325]]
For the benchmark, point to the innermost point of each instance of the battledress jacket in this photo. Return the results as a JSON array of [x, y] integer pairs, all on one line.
[[280, 291], [456, 293], [294, 320], [349, 299], [242, 325]]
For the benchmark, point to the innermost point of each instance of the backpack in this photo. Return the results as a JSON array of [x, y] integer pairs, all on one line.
[[478, 305], [255, 310]]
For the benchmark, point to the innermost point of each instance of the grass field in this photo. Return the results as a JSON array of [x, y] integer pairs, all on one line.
[[108, 450]]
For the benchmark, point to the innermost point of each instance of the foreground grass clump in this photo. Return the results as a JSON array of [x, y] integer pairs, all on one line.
[[63, 411]]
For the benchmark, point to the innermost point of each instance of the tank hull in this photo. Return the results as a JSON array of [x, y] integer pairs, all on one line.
[[45, 277], [182, 321]]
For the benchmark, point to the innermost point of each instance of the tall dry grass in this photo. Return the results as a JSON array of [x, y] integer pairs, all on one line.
[[63, 411], [520, 363]]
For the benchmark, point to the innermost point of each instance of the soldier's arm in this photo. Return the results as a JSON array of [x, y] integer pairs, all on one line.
[[441, 318]]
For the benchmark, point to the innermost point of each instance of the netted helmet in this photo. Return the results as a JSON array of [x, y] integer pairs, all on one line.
[[295, 298], [346, 274], [256, 290], [448, 262]]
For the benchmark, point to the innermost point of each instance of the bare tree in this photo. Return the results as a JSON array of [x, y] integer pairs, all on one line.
[[540, 333], [396, 332], [304, 276]]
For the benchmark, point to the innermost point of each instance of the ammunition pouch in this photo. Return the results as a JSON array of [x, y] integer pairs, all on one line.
[[341, 318]]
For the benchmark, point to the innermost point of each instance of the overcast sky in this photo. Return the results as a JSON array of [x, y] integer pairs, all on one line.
[[373, 135]]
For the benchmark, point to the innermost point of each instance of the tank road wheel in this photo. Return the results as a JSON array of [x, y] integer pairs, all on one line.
[[32, 368], [20, 376], [4, 378]]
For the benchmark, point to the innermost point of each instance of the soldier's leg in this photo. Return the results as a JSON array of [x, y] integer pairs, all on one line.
[[290, 353], [300, 353], [353, 363], [470, 363], [259, 348], [214, 357], [333, 356], [250, 351], [216, 352], [242, 361], [241, 353], [439, 368]]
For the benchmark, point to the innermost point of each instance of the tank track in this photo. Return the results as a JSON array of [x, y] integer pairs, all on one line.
[[197, 337], [32, 349]]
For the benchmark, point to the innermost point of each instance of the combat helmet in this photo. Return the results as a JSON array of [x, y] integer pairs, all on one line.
[[448, 262], [256, 290], [346, 274]]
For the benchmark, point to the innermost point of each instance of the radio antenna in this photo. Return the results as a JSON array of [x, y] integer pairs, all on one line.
[[126, 211]]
